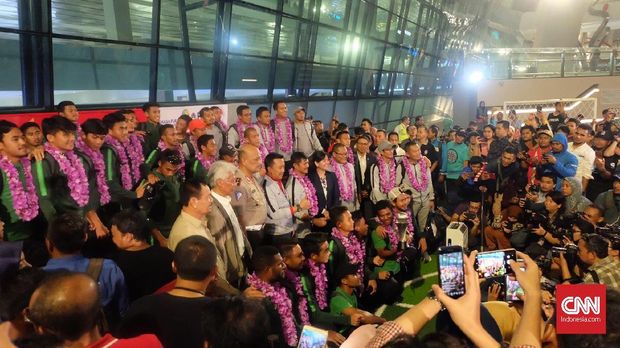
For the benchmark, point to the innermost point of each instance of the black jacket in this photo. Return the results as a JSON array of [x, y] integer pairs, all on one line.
[[363, 186], [333, 191]]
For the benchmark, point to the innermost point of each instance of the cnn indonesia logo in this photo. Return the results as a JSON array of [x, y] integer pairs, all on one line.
[[581, 309]]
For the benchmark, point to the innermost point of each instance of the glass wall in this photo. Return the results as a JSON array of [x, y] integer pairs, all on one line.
[[372, 58]]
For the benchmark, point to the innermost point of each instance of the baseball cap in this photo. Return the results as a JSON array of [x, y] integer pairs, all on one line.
[[385, 145], [461, 133], [228, 150], [196, 124], [300, 108], [605, 135], [345, 270], [546, 132], [397, 191]]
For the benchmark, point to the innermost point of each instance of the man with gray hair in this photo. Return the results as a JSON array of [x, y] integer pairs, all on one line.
[[222, 221]]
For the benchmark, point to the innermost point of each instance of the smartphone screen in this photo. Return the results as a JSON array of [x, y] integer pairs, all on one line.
[[513, 288], [494, 263], [312, 337], [451, 274]]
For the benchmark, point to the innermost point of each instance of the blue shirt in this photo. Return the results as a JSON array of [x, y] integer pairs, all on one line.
[[111, 280]]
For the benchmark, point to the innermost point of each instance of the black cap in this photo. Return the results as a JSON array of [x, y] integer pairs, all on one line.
[[228, 150], [345, 270], [605, 135]]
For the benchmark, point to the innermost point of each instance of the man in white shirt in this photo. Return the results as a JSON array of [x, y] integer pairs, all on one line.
[[305, 137], [584, 153]]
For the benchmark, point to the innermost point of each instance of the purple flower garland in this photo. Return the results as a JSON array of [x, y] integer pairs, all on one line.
[[222, 126], [319, 274], [135, 154], [302, 304], [417, 185], [268, 137], [279, 298], [102, 185], [355, 250], [126, 180], [309, 190], [241, 127], [387, 181], [181, 172], [206, 163], [350, 157], [346, 187], [263, 153], [25, 200], [71, 166], [284, 140]]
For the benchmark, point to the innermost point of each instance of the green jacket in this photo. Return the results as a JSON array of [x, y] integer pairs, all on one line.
[[113, 176], [14, 227], [91, 174], [151, 138], [319, 318], [164, 212], [195, 169]]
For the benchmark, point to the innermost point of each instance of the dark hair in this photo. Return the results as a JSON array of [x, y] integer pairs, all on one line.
[[584, 226], [147, 106], [55, 124], [126, 111], [410, 144], [271, 158], [311, 243], [94, 126], [113, 118], [203, 140], [573, 120], [392, 133], [240, 109], [404, 118], [382, 204], [611, 339], [504, 124], [195, 258], [16, 291], [343, 132], [563, 128], [286, 248], [6, 127], [275, 104], [558, 198], [586, 127], [63, 104], [597, 244], [133, 222], [191, 189], [163, 127], [490, 126], [475, 160], [203, 110], [337, 146], [511, 150], [263, 257], [260, 110], [529, 127], [367, 120], [548, 174], [336, 214], [170, 156], [185, 118], [433, 129], [232, 322], [67, 233], [24, 127], [380, 131], [297, 157], [419, 117]]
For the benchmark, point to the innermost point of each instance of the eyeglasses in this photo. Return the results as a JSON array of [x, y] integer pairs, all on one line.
[[340, 153]]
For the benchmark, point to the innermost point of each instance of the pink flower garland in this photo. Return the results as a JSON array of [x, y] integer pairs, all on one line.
[[136, 156], [263, 153], [319, 274], [206, 163], [240, 128], [387, 181], [126, 180], [393, 235], [350, 157], [266, 133], [346, 187], [309, 190], [102, 185], [355, 250], [181, 172], [285, 140], [302, 304], [72, 167], [417, 185], [25, 200], [222, 126], [279, 298]]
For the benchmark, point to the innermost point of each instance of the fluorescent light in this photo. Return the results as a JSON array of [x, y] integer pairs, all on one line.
[[249, 80], [476, 76]]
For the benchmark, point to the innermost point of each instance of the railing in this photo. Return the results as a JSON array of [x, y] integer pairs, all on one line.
[[509, 63]]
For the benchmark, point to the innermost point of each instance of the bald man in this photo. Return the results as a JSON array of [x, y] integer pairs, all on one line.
[[248, 198], [67, 306]]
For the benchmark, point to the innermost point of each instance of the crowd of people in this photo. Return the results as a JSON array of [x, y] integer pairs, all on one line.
[[119, 233]]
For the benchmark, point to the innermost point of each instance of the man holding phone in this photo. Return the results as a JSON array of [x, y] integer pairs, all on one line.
[[560, 161]]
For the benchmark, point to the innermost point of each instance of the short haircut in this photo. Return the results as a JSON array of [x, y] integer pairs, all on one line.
[[67, 233], [275, 104], [240, 109], [164, 127], [584, 226], [586, 127], [203, 140], [232, 322], [63, 104], [247, 131], [419, 117], [504, 124], [573, 120], [133, 222], [311, 243], [336, 214], [185, 118], [511, 150], [55, 124], [433, 129], [286, 248], [380, 131], [597, 244], [170, 156], [297, 157], [5, 128], [367, 120], [263, 258], [271, 158], [16, 291], [563, 128], [405, 118], [126, 111], [548, 174], [411, 144], [203, 110], [338, 146], [339, 134], [147, 106], [195, 258], [220, 170], [94, 126], [412, 126], [191, 188], [392, 134], [529, 127], [113, 118], [382, 204], [260, 110], [24, 127]]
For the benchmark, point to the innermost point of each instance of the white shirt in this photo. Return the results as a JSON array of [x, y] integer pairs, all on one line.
[[362, 160], [585, 156], [225, 202]]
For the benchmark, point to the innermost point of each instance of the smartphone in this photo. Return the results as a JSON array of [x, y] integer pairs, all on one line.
[[312, 337], [513, 288], [451, 270], [494, 263]]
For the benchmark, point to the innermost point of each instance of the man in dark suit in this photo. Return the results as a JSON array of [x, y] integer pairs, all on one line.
[[364, 159]]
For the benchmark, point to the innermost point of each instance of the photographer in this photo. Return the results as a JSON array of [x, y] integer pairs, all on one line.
[[474, 180], [536, 194], [609, 201], [469, 213], [546, 231], [600, 268], [497, 235]]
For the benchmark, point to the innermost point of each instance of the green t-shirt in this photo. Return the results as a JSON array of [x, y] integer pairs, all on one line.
[[341, 300], [453, 157], [384, 243]]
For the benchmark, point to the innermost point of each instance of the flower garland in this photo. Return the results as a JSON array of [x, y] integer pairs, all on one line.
[[266, 133], [240, 127], [393, 235], [71, 166], [263, 153], [415, 183], [206, 163], [223, 127], [387, 181], [126, 179], [319, 274], [102, 185], [346, 187], [309, 190], [181, 172], [25, 200], [284, 138], [135, 154], [350, 157], [354, 249], [278, 296], [302, 304]]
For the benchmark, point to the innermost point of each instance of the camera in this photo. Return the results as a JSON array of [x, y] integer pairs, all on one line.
[[470, 215], [534, 189]]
